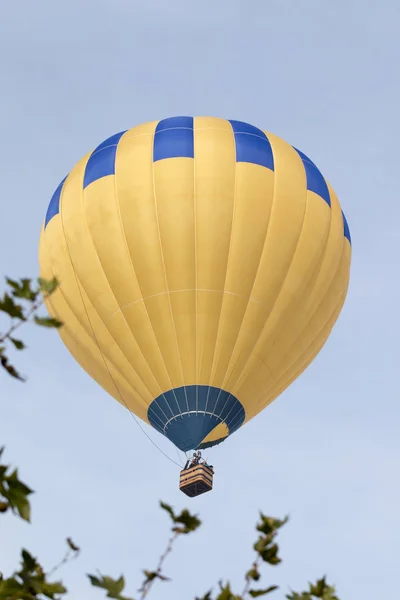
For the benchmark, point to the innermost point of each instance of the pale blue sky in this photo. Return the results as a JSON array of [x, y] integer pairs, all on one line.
[[322, 75]]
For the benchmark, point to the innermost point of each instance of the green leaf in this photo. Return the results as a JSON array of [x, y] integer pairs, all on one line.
[[29, 563], [150, 575], [10, 588], [296, 596], [11, 370], [17, 343], [114, 587], [23, 289], [226, 593], [270, 525], [47, 286], [16, 493], [12, 283], [317, 589], [51, 589], [257, 593], [320, 589], [95, 581], [72, 545], [30, 583], [261, 544], [12, 309], [188, 521], [48, 322], [267, 551], [169, 510], [253, 574], [24, 509], [16, 484], [207, 596]]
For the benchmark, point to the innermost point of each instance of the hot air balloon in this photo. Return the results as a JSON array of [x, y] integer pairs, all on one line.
[[202, 266]]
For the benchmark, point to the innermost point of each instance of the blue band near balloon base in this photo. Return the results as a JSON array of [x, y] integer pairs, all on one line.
[[186, 415]]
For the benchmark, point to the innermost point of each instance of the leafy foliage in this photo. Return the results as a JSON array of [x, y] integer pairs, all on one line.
[[13, 493], [206, 596], [113, 587], [320, 589], [226, 593], [184, 522], [30, 582], [21, 303], [265, 546], [264, 592]]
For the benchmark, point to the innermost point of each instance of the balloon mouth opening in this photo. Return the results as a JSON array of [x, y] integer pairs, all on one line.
[[196, 416]]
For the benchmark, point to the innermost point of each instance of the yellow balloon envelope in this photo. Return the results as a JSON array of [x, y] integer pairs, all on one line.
[[202, 265]]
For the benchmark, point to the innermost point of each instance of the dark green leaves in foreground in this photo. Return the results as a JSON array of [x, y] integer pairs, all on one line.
[[320, 589], [113, 587], [265, 546], [29, 582], [21, 302], [264, 592], [13, 493], [184, 522]]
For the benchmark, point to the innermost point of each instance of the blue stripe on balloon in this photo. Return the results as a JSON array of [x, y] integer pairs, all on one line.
[[54, 206], [102, 160], [346, 228], [174, 138], [252, 145], [315, 180]]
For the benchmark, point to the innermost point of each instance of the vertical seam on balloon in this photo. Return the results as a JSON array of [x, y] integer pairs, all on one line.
[[106, 371], [226, 275], [329, 282], [311, 279], [59, 316], [98, 345], [333, 316], [144, 304], [195, 265], [332, 319], [258, 269], [111, 290], [157, 344], [102, 353], [277, 297], [90, 332], [325, 295], [165, 274], [87, 315]]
